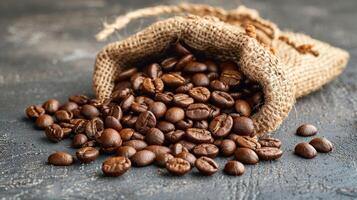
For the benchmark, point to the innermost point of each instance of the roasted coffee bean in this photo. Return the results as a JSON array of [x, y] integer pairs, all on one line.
[[126, 134], [129, 120], [166, 97], [137, 136], [136, 81], [54, 133], [246, 156], [178, 166], [79, 125], [184, 61], [198, 135], [108, 150], [231, 77], [236, 95], [126, 74], [306, 130], [90, 111], [162, 159], [143, 158], [213, 76], [234, 168], [200, 79], [77, 113], [34, 111], [195, 66], [125, 104], [145, 121], [112, 122], [87, 154], [180, 49], [185, 88], [119, 95], [154, 136], [322, 145], [138, 107], [217, 142], [188, 145], [200, 124], [109, 138], [63, 115], [214, 111], [95, 102], [158, 109], [270, 142], [198, 111], [94, 128], [269, 153], [206, 166], [174, 136], [227, 147], [66, 132], [152, 86], [51, 106], [78, 140], [219, 85], [242, 108], [174, 114], [121, 85], [125, 151], [43, 121], [158, 149], [233, 136], [221, 125], [60, 159], [79, 99], [173, 80], [243, 126], [115, 111], [154, 71], [177, 148], [165, 126], [184, 124], [182, 100], [305, 150], [169, 64], [136, 144], [222, 99], [247, 142], [90, 143], [69, 106], [200, 94], [116, 166], [187, 156], [209, 150]]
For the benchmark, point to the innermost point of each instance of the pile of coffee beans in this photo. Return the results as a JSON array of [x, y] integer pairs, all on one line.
[[179, 112]]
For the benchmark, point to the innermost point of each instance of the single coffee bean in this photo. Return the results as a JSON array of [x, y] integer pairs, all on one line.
[[154, 136], [184, 124], [90, 111], [200, 94], [322, 145], [173, 80], [138, 107], [194, 66], [209, 150], [126, 134], [116, 166], [247, 142], [201, 124], [54, 133], [182, 100], [143, 158], [51, 106], [219, 85], [78, 140], [94, 128], [120, 95], [125, 151], [256, 99], [197, 135], [214, 111], [227, 147], [145, 121], [269, 153], [198, 111], [129, 120], [242, 108], [60, 159], [110, 138], [158, 109], [44, 121], [79, 99], [34, 111], [125, 104], [136, 144], [136, 81], [243, 126], [188, 145], [152, 86], [207, 166], [77, 113], [137, 136], [90, 143], [222, 99], [178, 166], [270, 142], [231, 77], [174, 114], [166, 97], [213, 76], [162, 159], [217, 142], [79, 125], [234, 168], [169, 63], [115, 111], [154, 71], [66, 132], [305, 150], [63, 115], [126, 74], [184, 89], [87, 154], [165, 126], [200, 79], [246, 156], [306, 130], [122, 85], [177, 148], [180, 49], [112, 122], [158, 149], [187, 156], [174, 136], [221, 125], [69, 106]]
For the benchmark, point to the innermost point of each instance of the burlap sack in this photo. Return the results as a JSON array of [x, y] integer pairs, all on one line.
[[287, 65]]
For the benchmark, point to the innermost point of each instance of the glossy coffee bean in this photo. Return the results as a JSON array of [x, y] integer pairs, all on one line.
[[154, 136], [63, 115], [87, 154], [184, 89], [60, 159], [89, 111], [200, 94], [129, 120], [184, 124], [206, 166], [79, 125], [154, 71], [136, 144], [213, 76], [94, 128], [136, 81], [188, 145], [270, 142], [227, 147], [110, 138], [231, 77], [126, 74], [243, 126], [246, 156], [143, 158], [165, 126], [173, 80], [126, 134], [269, 153], [222, 99], [219, 85], [115, 112], [44, 121], [182, 100], [209, 150], [305, 150], [165, 97], [177, 148], [158, 149], [178, 166], [54, 133], [145, 121], [242, 108], [306, 130], [234, 168], [112, 122], [197, 135], [79, 99], [78, 140], [152, 86], [180, 49], [158, 109], [221, 125], [214, 111], [34, 111], [162, 159], [174, 136], [194, 66], [200, 79], [247, 142], [125, 104], [197, 111], [116, 166], [174, 114], [200, 124], [322, 145], [168, 64], [125, 151], [187, 156], [69, 106], [51, 106]]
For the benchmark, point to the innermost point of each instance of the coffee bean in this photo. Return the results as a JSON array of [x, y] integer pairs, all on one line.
[[34, 111], [231, 77], [69, 106], [94, 128], [136, 81], [166, 97], [197, 135], [246, 156], [89, 111], [158, 109], [322, 145], [174, 136], [182, 100], [214, 111], [213, 76], [184, 124], [87, 154], [306, 130], [209, 150], [194, 66], [305, 150], [219, 85], [234, 168], [237, 96], [115, 111], [206, 166], [138, 107], [243, 126], [125, 151], [44, 121], [221, 125], [143, 158], [256, 99], [137, 136], [165, 126], [63, 115], [174, 114], [198, 111], [116, 166], [145, 121], [188, 145], [201, 124], [169, 64], [242, 108], [66, 132], [269, 153], [154, 71], [187, 156], [227, 147], [129, 120], [200, 79], [120, 95], [90, 143], [211, 66], [136, 144], [121, 85], [158, 149], [126, 74], [185, 88], [79, 125], [54, 133], [178, 166], [184, 61], [60, 159], [162, 159], [270, 142], [200, 94], [112, 122], [125, 104], [110, 138], [152, 86], [180, 49], [51, 106], [247, 142], [222, 99], [126, 134], [154, 136], [177, 148], [79, 99], [173, 80], [78, 140]]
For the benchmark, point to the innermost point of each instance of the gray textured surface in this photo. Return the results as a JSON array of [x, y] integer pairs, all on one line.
[[48, 50]]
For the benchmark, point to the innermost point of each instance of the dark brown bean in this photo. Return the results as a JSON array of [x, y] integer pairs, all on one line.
[[270, 142], [182, 100], [154, 71], [185, 88], [234, 168], [177, 148], [184, 124], [162, 159], [200, 79], [166, 97], [269, 153], [44, 121], [219, 85], [222, 99], [197, 135], [78, 140], [145, 121], [194, 66], [79, 99], [246, 156], [221, 125], [180, 49], [125, 151], [63, 115], [69, 106], [112, 122], [126, 134], [243, 126], [126, 74], [206, 166], [94, 128], [136, 144], [209, 150], [154, 136], [116, 166], [200, 124], [109, 138], [54, 133], [165, 126], [169, 63], [158, 149], [322, 145], [89, 111], [60, 159], [306, 130], [187, 156], [173, 80], [247, 142], [231, 77], [200, 94], [34, 111], [178, 166], [174, 136], [87, 154], [305, 150], [158, 109], [143, 158], [198, 111], [227, 147], [152, 86], [174, 114], [242, 108], [51, 106]]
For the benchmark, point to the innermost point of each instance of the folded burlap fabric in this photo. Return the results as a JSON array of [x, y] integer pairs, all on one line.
[[287, 65]]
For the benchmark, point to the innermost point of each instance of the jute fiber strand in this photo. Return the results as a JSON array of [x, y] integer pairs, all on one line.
[[287, 65]]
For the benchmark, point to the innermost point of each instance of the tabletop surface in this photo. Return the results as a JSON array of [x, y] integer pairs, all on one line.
[[48, 51]]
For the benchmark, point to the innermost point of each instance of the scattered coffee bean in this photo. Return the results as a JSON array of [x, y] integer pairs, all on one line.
[[34, 111], [209, 150], [79, 99], [145, 121], [187, 156], [54, 133], [234, 168], [69, 106], [60, 159], [112, 122], [221, 125], [178, 166], [94, 128], [143, 158], [174, 136], [242, 108], [162, 159], [305, 150], [126, 134], [246, 156], [175, 114], [136, 144], [109, 138], [51, 106], [87, 154], [63, 115], [79, 140], [243, 126], [89, 111], [158, 149], [247, 142], [44, 121], [165, 126], [158, 109], [227, 147], [222, 99], [184, 124], [125, 151], [207, 166], [322, 145], [270, 142], [198, 111], [198, 135], [177, 149], [306, 130], [269, 153], [203, 124], [116, 166], [182, 100]]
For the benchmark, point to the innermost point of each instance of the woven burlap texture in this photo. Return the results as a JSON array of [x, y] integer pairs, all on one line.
[[285, 76]]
